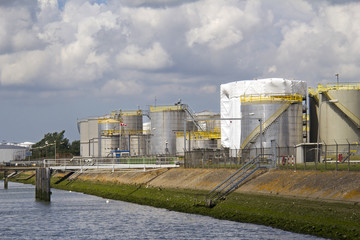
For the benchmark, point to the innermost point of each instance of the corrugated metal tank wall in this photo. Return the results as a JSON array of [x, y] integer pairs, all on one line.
[[133, 121], [286, 130], [139, 145], [84, 138], [267, 98], [109, 144], [164, 124], [93, 134], [335, 125]]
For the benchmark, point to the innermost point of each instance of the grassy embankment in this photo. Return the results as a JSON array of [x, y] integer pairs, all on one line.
[[319, 218]]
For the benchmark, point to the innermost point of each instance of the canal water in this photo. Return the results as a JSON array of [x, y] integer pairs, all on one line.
[[72, 215]]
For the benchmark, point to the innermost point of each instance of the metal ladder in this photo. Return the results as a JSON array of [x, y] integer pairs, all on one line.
[[234, 181], [191, 113]]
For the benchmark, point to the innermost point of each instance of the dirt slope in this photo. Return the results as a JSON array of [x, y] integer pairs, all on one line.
[[309, 184]]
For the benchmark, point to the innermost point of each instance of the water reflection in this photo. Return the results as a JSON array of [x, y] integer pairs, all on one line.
[[72, 215]]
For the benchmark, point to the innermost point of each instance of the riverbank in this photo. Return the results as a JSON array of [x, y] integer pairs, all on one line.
[[281, 199]]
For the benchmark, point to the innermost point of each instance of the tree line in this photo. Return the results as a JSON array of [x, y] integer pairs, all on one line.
[[55, 142]]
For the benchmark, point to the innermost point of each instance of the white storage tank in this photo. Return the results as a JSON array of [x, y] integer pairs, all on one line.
[[276, 101]]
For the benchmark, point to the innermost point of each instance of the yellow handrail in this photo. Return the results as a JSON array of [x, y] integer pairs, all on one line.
[[110, 132], [332, 87], [201, 135], [107, 120], [260, 98], [166, 108]]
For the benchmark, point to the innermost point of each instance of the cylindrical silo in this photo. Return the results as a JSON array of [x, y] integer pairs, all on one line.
[[109, 144], [94, 137], [275, 102], [108, 126], [133, 120], [138, 145], [84, 137], [339, 119], [212, 122], [165, 122], [131, 124], [281, 117]]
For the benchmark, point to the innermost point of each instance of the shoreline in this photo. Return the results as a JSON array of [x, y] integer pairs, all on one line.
[[319, 217]]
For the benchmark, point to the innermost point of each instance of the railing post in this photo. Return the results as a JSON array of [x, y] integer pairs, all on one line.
[[337, 156], [325, 155], [273, 151]]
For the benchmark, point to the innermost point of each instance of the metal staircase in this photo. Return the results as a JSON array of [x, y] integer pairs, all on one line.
[[64, 177], [77, 173], [233, 182], [191, 113]]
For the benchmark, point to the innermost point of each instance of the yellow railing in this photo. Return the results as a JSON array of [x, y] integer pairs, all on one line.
[[201, 135], [166, 108], [332, 87], [130, 113], [342, 86], [260, 98], [126, 113], [110, 132], [107, 120]]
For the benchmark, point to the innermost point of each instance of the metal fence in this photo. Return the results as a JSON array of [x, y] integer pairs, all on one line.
[[90, 161], [331, 157], [336, 157]]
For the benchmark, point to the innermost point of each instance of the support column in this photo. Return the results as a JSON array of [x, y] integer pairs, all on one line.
[[42, 189], [6, 180]]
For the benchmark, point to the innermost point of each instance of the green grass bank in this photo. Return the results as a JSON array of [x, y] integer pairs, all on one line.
[[334, 220]]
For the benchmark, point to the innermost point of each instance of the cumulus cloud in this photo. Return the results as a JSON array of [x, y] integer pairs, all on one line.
[[220, 25], [200, 43], [324, 46], [149, 59], [116, 87], [131, 52], [21, 68]]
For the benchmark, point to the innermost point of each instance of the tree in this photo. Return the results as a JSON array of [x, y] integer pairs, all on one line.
[[45, 148], [75, 148]]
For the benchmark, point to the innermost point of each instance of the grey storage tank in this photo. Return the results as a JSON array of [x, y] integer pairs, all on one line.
[[281, 117], [339, 118], [165, 122]]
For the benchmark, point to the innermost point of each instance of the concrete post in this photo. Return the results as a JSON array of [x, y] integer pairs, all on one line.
[[42, 189], [6, 180]]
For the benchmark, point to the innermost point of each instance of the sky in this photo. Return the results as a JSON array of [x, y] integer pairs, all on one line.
[[64, 60]]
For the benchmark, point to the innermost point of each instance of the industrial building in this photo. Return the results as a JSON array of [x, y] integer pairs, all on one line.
[[13, 152], [118, 133], [254, 115], [123, 133]]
